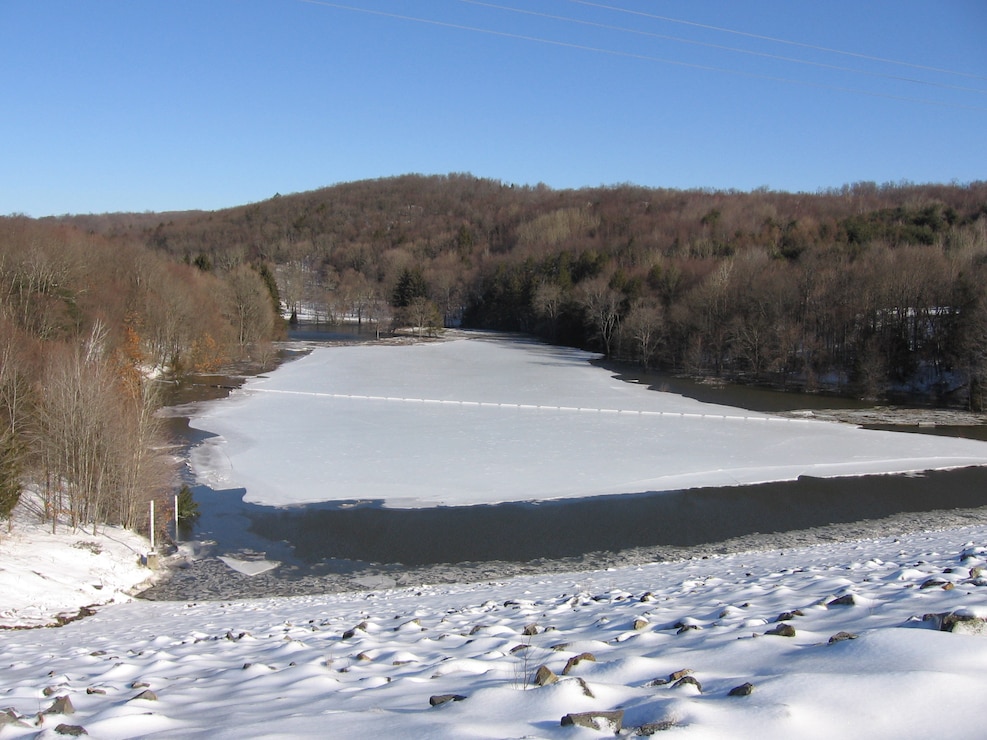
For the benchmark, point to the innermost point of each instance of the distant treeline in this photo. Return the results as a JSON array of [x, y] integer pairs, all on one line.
[[863, 289]]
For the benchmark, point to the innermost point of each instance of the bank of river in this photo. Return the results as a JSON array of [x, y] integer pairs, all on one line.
[[340, 547]]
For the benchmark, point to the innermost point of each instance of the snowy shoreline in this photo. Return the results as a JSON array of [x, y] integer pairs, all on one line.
[[844, 637]]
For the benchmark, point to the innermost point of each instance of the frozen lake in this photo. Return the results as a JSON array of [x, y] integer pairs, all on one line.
[[493, 420], [315, 439]]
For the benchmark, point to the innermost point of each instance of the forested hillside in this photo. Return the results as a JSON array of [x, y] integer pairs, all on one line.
[[87, 325], [861, 289]]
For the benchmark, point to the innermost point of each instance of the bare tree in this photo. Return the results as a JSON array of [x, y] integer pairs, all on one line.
[[602, 305], [379, 312], [645, 324], [423, 316], [248, 307], [547, 302]]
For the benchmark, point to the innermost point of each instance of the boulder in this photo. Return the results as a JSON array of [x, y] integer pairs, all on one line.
[[61, 705], [611, 721], [650, 728], [9, 717], [362, 627], [842, 636], [845, 600], [544, 676], [71, 730], [964, 624], [745, 689], [444, 699], [576, 660], [688, 681], [782, 630]]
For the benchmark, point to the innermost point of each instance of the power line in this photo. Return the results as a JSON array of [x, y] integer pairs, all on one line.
[[776, 40], [721, 47], [632, 55]]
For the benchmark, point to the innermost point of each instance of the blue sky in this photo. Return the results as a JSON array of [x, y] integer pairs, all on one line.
[[137, 105]]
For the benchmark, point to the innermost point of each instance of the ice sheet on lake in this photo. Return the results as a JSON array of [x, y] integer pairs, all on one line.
[[484, 420]]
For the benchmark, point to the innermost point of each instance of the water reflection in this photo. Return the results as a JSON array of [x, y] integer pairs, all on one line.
[[318, 535]]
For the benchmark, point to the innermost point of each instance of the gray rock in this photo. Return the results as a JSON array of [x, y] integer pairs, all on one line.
[[959, 623], [576, 660], [612, 721], [688, 681], [146, 695], [444, 699], [842, 636], [782, 630], [544, 676], [72, 730], [650, 728], [61, 705], [9, 717], [845, 600], [362, 627], [745, 689], [529, 630]]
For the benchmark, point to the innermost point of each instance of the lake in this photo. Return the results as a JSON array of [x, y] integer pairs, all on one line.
[[341, 546]]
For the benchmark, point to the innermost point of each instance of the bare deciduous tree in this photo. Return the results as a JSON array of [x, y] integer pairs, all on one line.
[[248, 307], [602, 305], [644, 324]]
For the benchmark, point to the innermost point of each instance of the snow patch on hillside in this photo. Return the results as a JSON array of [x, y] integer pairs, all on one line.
[[46, 576]]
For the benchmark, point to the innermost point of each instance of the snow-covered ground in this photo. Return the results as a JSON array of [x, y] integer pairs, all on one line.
[[488, 420], [46, 575], [368, 665], [839, 639]]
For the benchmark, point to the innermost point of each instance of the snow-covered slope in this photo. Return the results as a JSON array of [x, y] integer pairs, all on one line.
[[483, 420], [371, 665], [45, 575]]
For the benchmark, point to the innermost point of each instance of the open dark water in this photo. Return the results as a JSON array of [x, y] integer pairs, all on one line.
[[327, 547]]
